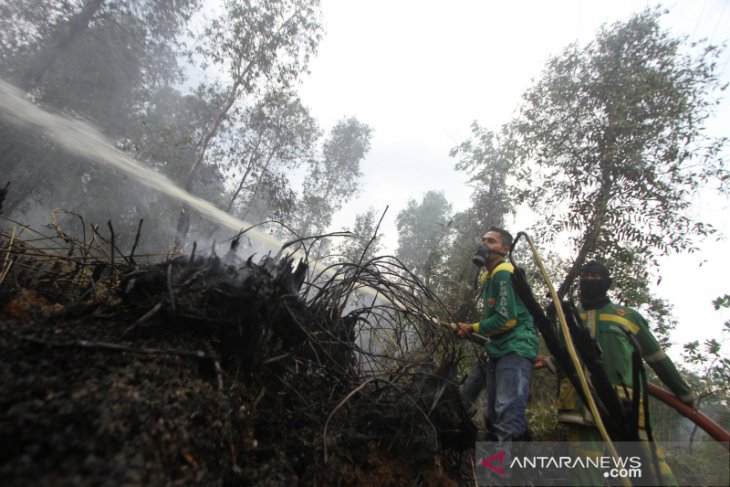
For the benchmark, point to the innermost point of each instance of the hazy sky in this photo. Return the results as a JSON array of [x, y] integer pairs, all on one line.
[[419, 72]]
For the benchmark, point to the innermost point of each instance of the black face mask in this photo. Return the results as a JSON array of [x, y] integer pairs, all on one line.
[[593, 292]]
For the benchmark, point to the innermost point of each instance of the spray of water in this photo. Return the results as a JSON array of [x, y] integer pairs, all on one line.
[[81, 139]]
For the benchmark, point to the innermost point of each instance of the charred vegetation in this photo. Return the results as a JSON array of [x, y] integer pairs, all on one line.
[[210, 370]]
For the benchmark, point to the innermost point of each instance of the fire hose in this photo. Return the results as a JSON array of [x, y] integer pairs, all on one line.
[[717, 432], [591, 403], [713, 429]]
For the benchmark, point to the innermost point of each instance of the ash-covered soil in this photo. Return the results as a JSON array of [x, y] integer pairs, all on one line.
[[201, 372]]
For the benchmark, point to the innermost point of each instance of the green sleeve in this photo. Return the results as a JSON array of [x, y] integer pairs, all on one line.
[[660, 362], [502, 316]]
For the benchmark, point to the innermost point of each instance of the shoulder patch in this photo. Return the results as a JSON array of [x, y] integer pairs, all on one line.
[[621, 312]]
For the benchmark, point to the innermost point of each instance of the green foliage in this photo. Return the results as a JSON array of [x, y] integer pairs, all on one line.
[[612, 148], [699, 465], [486, 158], [723, 302], [234, 140], [97, 60], [364, 243], [608, 149], [423, 230], [704, 454], [262, 46], [100, 59], [542, 419], [260, 42], [333, 177], [710, 376], [266, 142], [713, 369]]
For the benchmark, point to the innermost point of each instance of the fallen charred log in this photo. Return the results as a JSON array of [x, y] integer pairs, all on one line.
[[215, 370]]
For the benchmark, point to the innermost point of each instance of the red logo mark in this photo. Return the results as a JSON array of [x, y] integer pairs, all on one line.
[[487, 462]]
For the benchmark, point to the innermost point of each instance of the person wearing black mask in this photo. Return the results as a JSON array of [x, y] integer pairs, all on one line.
[[611, 325], [593, 285]]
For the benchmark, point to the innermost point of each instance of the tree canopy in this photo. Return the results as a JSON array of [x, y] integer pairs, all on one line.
[[208, 100], [607, 150], [365, 242], [611, 145], [423, 229]]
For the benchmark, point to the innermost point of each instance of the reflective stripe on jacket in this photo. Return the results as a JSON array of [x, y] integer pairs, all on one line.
[[608, 325]]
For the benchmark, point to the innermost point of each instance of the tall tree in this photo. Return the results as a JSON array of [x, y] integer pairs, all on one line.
[[103, 61], [61, 38], [275, 136], [611, 146], [257, 44], [334, 177], [26, 27], [487, 158], [98, 58], [365, 242], [423, 230]]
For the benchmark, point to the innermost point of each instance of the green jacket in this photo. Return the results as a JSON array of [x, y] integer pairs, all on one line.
[[506, 320], [607, 325]]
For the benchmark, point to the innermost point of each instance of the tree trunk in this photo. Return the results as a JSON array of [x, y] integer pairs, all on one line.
[[240, 76], [64, 35], [249, 168], [183, 220], [593, 231], [183, 227]]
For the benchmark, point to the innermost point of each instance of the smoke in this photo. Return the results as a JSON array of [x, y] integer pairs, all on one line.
[[83, 140]]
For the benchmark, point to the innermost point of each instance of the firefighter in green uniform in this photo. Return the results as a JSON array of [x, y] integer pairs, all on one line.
[[513, 344], [609, 323]]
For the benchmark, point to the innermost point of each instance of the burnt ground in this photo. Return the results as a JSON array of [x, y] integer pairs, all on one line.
[[200, 372]]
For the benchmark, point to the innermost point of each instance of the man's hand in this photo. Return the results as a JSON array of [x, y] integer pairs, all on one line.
[[545, 361], [463, 329], [691, 401]]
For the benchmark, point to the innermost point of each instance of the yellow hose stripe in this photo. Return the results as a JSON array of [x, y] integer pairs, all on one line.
[[574, 357]]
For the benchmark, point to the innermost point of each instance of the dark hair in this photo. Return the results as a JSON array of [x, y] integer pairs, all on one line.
[[504, 235]]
